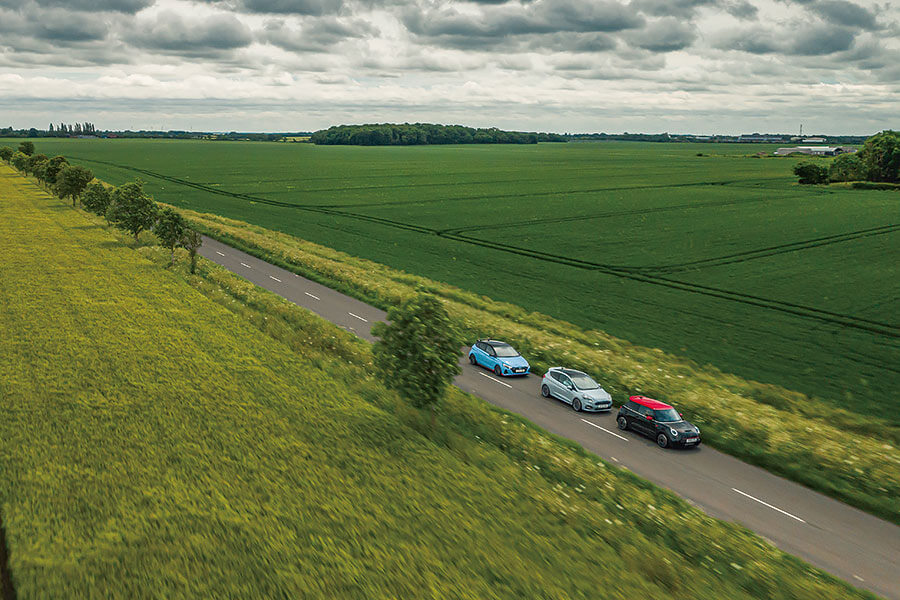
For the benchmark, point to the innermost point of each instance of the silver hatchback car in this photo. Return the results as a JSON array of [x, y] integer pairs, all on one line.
[[575, 388]]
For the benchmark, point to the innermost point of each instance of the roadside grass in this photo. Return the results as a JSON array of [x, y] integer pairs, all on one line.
[[168, 435], [849, 456]]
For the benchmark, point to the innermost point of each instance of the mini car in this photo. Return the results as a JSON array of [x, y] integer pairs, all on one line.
[[575, 388], [659, 421], [499, 357]]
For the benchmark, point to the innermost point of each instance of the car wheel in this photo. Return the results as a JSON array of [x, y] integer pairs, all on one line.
[[497, 370], [545, 391], [623, 423], [472, 360], [662, 440], [576, 405]]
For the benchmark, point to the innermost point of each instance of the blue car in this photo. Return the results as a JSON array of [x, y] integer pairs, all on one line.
[[499, 357]]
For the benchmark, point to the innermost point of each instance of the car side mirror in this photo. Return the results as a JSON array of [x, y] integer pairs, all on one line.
[[648, 417], [571, 386], [681, 415]]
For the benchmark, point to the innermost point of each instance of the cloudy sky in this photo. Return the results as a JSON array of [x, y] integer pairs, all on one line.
[[698, 66]]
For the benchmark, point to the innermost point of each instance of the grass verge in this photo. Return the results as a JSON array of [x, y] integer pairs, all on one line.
[[851, 457], [168, 435]]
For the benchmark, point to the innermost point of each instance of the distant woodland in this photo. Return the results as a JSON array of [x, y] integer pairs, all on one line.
[[415, 134]]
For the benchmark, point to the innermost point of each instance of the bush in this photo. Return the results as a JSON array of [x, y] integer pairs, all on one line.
[[847, 167], [811, 173], [6, 154]]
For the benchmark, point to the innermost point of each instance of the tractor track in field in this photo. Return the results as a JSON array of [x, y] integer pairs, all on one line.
[[834, 318], [740, 257]]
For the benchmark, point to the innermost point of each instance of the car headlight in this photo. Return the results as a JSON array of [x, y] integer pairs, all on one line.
[[674, 433], [506, 365]]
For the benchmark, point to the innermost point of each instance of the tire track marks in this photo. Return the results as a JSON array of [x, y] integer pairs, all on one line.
[[834, 318]]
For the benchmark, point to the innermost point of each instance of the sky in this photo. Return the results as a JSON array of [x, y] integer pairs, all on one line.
[[680, 66]]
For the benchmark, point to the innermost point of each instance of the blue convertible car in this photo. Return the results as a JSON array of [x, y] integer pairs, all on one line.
[[499, 357]]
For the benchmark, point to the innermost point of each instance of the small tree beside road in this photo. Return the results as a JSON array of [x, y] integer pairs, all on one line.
[[96, 198], [72, 181], [170, 228], [26, 148], [57, 164], [6, 154], [191, 241], [418, 351], [19, 161], [131, 209]]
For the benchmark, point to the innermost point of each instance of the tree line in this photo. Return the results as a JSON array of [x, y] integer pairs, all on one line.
[[126, 207], [416, 134], [878, 161]]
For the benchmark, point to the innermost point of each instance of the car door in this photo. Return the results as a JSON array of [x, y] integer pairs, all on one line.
[[565, 388], [478, 351], [554, 385], [642, 423], [490, 357]]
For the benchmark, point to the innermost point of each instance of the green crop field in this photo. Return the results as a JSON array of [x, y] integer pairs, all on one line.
[[719, 258], [166, 435]]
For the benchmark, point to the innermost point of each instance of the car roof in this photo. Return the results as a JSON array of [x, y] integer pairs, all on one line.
[[572, 372], [649, 402], [495, 343]]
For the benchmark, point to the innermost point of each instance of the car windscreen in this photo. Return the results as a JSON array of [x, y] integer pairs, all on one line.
[[505, 351], [666, 415], [583, 382]]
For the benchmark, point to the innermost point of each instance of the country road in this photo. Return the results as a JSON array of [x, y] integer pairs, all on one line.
[[860, 548]]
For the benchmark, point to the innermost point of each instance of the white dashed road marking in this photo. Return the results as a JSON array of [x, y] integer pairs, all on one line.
[[311, 296], [275, 278], [858, 578], [606, 430], [246, 265], [614, 458], [494, 379], [784, 512], [220, 253], [358, 317]]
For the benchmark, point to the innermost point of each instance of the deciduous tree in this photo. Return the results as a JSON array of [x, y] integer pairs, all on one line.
[[170, 228], [418, 353], [19, 159], [57, 164], [191, 241], [847, 167], [131, 209], [32, 162], [26, 148], [881, 156], [6, 154], [71, 182], [96, 198]]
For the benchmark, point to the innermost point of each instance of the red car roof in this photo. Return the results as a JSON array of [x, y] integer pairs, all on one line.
[[649, 402]]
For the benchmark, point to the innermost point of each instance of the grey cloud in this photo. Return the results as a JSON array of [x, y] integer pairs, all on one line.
[[845, 13], [298, 7], [316, 35], [122, 6], [516, 19], [686, 9], [665, 35], [811, 41], [169, 32], [821, 40]]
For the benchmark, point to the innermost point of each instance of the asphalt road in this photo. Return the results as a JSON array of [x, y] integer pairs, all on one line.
[[862, 549]]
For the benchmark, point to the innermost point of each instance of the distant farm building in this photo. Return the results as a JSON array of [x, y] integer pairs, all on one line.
[[815, 150], [815, 140]]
